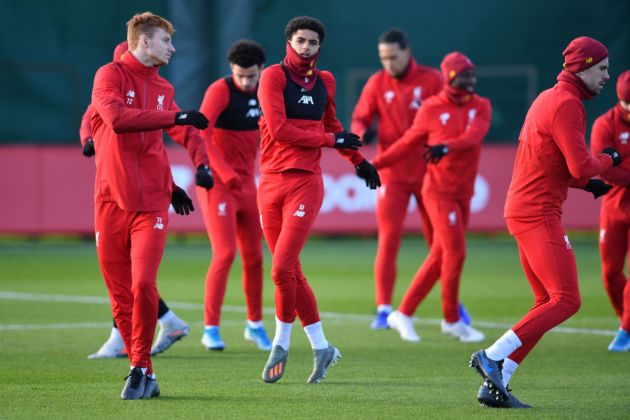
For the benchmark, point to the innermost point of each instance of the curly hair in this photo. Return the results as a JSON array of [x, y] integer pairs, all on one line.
[[246, 53], [305, 22]]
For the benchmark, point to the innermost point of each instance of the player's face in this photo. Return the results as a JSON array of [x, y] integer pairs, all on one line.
[[159, 46], [305, 42], [466, 80], [625, 105], [393, 58], [595, 77], [246, 78]]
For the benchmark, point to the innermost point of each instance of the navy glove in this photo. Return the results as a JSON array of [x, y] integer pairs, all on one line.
[[181, 202], [368, 172], [616, 157], [191, 117], [347, 140], [597, 187], [434, 154], [369, 136], [203, 177], [88, 149]]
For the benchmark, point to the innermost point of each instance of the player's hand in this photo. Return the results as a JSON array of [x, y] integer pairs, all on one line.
[[191, 117], [597, 187], [616, 157], [368, 172], [369, 136], [203, 177], [182, 204], [88, 149], [347, 140], [433, 154]]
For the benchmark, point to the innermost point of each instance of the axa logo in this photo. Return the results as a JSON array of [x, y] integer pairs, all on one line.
[[253, 113], [306, 100], [159, 224], [221, 208], [389, 96], [130, 96], [623, 137], [300, 211], [444, 117], [160, 102]]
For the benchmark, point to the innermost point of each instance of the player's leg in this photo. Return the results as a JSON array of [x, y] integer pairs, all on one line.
[[172, 328], [613, 246]]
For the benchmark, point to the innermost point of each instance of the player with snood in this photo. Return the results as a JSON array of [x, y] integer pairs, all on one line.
[[551, 157], [134, 186], [298, 119], [612, 129], [448, 130], [393, 96], [229, 209]]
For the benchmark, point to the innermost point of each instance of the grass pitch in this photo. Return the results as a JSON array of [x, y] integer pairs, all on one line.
[[46, 334]]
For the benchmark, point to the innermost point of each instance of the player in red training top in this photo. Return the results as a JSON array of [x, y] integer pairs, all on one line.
[[134, 185], [298, 119], [613, 130], [172, 328], [229, 209], [451, 126], [393, 95], [551, 157]]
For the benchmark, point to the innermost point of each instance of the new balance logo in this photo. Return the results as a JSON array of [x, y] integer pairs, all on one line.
[[452, 218], [300, 211], [389, 96], [623, 137], [183, 116], [253, 113], [306, 100], [159, 224], [221, 208], [444, 117], [130, 95], [341, 140]]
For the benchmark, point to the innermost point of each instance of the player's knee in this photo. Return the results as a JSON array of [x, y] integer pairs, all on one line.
[[252, 260], [283, 275]]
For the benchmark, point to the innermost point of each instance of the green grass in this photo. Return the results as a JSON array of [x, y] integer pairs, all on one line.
[[44, 373]]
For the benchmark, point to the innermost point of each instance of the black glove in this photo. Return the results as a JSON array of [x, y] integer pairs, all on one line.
[[616, 157], [347, 140], [88, 149], [369, 136], [597, 187], [191, 117], [203, 177], [367, 171], [181, 202], [434, 154]]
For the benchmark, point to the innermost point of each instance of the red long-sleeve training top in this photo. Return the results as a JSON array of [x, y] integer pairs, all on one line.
[[394, 102]]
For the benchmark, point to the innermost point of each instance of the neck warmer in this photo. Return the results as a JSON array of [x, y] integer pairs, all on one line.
[[574, 80], [301, 70]]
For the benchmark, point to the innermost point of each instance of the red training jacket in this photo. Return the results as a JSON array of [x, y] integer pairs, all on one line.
[[612, 129], [132, 104], [395, 103], [295, 143], [551, 156], [462, 128]]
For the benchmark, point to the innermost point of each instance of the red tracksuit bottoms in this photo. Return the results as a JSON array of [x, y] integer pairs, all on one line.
[[129, 246], [231, 219], [391, 208], [549, 265], [289, 203], [449, 219]]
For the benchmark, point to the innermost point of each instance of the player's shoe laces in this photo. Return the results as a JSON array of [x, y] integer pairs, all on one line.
[[170, 332], [380, 321], [487, 399], [464, 315], [322, 360], [621, 342], [404, 325], [461, 331], [258, 336], [151, 387], [135, 385], [277, 362], [113, 347], [490, 371], [211, 339]]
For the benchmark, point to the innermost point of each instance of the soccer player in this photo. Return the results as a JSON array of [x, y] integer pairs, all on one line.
[[393, 95], [298, 119], [229, 209], [134, 185], [551, 157], [172, 328], [448, 129], [613, 130]]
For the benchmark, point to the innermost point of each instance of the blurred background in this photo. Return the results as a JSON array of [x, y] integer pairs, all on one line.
[[50, 50]]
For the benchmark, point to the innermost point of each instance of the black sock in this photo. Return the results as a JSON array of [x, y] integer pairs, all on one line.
[[162, 308]]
